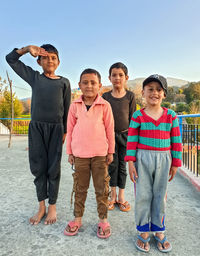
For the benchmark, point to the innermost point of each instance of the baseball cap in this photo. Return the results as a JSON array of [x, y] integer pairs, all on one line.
[[156, 78]]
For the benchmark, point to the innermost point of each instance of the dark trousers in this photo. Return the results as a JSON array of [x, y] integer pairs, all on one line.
[[117, 169], [45, 150], [85, 167]]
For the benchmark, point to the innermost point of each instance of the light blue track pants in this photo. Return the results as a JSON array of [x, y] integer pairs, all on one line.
[[151, 187]]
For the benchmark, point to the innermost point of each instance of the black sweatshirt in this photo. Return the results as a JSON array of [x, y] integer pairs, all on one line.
[[123, 109], [50, 97]]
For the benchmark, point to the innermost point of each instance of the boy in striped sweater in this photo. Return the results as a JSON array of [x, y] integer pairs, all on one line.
[[154, 152]]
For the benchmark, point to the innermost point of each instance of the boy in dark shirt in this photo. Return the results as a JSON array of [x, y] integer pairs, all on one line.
[[123, 105], [51, 96]]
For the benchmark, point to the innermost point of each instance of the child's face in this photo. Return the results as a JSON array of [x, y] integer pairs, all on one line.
[[153, 94], [118, 78], [49, 63], [90, 85]]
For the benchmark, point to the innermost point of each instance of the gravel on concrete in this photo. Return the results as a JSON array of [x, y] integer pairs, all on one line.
[[18, 203]]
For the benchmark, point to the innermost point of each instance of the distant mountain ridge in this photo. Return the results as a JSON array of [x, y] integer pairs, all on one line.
[[137, 83], [170, 81]]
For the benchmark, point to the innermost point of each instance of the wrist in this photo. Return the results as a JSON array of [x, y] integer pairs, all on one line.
[[23, 50]]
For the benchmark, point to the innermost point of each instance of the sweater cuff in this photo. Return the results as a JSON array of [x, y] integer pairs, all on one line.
[[130, 158], [13, 55], [176, 162]]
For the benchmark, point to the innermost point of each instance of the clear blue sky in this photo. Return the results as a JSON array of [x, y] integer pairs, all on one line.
[[149, 36]]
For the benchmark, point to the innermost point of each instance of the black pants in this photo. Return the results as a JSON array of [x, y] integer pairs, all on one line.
[[117, 169], [45, 150]]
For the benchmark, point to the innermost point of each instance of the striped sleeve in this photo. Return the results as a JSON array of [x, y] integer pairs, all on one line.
[[176, 143], [133, 134]]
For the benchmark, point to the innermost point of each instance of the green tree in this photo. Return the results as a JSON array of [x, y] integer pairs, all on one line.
[[192, 92], [5, 105], [182, 107], [166, 104]]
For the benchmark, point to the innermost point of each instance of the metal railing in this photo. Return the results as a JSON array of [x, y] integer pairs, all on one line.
[[190, 137], [20, 126], [190, 134]]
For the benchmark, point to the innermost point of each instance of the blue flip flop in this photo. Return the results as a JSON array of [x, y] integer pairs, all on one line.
[[144, 241], [162, 242]]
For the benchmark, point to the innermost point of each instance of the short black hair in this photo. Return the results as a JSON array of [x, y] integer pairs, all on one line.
[[119, 65], [91, 71], [49, 48]]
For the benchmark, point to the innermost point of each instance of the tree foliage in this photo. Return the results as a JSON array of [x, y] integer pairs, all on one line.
[[192, 92], [5, 105]]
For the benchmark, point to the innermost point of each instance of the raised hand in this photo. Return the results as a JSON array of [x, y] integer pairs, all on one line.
[[34, 51], [37, 51]]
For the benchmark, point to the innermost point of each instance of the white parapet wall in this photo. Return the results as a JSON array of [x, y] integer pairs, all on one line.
[[3, 129]]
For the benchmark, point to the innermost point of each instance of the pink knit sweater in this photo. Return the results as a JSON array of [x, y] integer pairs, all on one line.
[[90, 133]]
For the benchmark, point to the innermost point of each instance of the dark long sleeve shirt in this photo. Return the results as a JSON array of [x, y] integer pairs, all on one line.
[[50, 97], [123, 109]]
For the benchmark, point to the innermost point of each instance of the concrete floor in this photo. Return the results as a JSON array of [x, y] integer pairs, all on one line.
[[18, 203]]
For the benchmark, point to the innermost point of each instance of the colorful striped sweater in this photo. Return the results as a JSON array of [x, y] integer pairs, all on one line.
[[149, 134]]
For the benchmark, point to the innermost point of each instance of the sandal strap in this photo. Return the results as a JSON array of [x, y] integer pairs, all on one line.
[[143, 240], [161, 241], [125, 204], [103, 225], [73, 224]]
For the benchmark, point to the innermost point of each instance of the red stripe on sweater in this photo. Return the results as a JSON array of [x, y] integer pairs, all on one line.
[[131, 145], [176, 147], [154, 134], [175, 131], [129, 158], [142, 146], [132, 131]]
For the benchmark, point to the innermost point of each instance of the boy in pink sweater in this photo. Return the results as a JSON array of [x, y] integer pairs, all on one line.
[[90, 146]]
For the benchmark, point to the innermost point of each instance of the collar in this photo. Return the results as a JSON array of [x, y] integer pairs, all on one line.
[[99, 100]]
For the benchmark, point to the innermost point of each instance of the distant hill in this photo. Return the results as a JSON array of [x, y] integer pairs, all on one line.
[[137, 84], [171, 82]]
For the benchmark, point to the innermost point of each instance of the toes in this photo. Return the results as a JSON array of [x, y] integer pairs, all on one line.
[[33, 221], [140, 244], [50, 221]]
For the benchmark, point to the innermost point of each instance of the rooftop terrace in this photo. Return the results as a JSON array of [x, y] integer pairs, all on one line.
[[18, 203]]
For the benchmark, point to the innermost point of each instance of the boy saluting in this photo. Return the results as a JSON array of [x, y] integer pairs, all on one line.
[[47, 130]]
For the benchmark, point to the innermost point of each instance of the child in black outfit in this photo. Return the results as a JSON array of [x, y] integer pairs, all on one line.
[[123, 105], [51, 96]]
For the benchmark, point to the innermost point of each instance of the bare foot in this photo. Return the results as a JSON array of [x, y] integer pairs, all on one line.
[[38, 216], [51, 215], [142, 245], [166, 245]]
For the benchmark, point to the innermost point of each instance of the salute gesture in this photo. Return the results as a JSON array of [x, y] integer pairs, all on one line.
[[33, 50]]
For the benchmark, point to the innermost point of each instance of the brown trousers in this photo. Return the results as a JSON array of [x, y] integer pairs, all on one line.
[[84, 168]]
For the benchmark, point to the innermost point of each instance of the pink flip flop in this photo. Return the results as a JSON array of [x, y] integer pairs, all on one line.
[[103, 226], [71, 225]]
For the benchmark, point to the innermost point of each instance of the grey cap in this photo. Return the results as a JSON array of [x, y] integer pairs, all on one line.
[[156, 78]]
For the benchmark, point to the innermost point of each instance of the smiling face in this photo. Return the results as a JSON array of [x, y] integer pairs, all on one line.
[[118, 78], [49, 63], [153, 94], [90, 85]]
